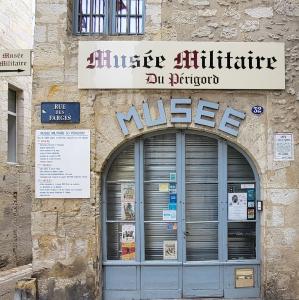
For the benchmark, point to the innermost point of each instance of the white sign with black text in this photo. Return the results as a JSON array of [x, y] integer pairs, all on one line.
[[283, 146], [180, 65], [15, 62], [62, 164]]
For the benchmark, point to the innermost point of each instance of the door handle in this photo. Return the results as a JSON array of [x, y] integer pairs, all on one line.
[[186, 233]]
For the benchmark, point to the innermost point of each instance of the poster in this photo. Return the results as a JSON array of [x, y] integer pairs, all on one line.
[[172, 226], [169, 249], [283, 147], [250, 214], [172, 187], [169, 215], [172, 206], [237, 206], [128, 242], [128, 201], [172, 177], [163, 187], [62, 164]]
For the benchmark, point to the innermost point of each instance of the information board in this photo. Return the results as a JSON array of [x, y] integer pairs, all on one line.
[[62, 164], [283, 146]]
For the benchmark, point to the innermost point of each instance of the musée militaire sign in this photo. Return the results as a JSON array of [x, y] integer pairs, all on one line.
[[180, 65]]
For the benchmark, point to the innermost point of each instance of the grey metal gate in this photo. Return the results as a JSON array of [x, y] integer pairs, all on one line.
[[192, 252]]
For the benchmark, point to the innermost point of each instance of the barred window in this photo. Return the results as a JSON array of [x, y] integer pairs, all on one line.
[[109, 17]]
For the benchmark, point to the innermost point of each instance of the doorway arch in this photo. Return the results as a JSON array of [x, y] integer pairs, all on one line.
[[180, 219]]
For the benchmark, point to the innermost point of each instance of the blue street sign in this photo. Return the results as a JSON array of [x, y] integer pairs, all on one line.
[[60, 112]]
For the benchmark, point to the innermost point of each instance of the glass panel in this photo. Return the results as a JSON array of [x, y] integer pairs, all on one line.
[[202, 241], [155, 202], [241, 240], [12, 139], [159, 157], [121, 7], [117, 248], [136, 7], [201, 202], [121, 24], [201, 208], [12, 101], [201, 159], [121, 206], [123, 167], [238, 168], [155, 235], [159, 163], [114, 241]]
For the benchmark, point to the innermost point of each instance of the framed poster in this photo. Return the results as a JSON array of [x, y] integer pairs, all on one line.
[[283, 147], [237, 206], [169, 249], [128, 201]]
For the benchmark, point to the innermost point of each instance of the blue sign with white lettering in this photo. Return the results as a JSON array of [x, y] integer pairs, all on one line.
[[257, 110], [172, 198], [60, 112]]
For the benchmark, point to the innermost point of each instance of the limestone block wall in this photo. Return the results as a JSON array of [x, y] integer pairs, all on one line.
[[16, 32], [66, 232]]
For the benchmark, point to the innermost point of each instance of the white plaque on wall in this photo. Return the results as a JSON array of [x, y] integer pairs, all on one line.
[[62, 164], [180, 65], [283, 146]]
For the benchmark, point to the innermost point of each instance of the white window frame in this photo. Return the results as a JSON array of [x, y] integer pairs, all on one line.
[[109, 15]]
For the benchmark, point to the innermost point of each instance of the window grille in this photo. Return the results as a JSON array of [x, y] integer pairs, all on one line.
[[109, 17], [12, 126]]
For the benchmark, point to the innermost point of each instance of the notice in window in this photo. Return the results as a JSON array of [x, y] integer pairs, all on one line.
[[169, 249], [62, 164], [283, 147], [128, 242], [237, 206], [128, 201]]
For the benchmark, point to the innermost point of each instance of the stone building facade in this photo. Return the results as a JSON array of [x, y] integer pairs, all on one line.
[[67, 233], [15, 172]]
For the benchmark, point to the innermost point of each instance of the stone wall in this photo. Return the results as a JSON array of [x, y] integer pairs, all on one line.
[[66, 233], [16, 32]]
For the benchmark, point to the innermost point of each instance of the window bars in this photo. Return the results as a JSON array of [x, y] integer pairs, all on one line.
[[109, 17]]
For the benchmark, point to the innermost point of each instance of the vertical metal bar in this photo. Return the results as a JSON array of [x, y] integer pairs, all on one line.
[[91, 16], [182, 193], [181, 228], [143, 16], [137, 202], [141, 198], [111, 22], [75, 24], [137, 12], [128, 27], [104, 216], [222, 200]]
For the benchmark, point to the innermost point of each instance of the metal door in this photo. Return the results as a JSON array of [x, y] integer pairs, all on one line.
[[200, 170]]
